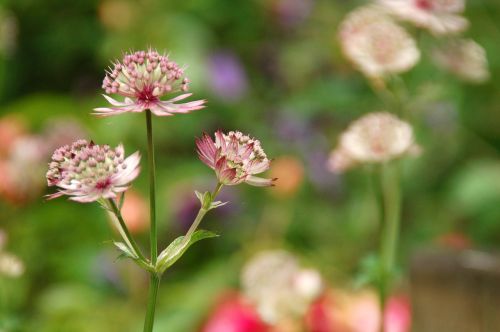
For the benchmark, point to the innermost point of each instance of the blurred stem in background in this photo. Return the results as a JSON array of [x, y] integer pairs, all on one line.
[[391, 210], [154, 277]]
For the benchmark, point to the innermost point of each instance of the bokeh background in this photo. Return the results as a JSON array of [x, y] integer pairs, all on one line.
[[271, 68]]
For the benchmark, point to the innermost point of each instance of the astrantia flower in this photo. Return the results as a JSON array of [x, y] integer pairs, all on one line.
[[464, 58], [278, 286], [235, 157], [439, 16], [88, 172], [375, 44], [143, 78], [374, 138]]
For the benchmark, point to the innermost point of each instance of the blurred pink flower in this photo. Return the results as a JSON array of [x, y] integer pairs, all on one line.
[[235, 157], [233, 315], [375, 44], [341, 311], [439, 16], [135, 212], [11, 129], [88, 172], [464, 58], [143, 78], [374, 138], [21, 172]]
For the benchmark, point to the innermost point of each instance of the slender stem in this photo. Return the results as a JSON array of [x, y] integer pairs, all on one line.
[[389, 241], [125, 230], [152, 190], [153, 293]]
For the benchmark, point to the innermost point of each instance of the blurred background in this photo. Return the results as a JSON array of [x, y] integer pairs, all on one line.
[[273, 69]]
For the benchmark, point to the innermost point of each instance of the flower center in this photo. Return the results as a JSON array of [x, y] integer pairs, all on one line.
[[103, 184], [146, 95], [424, 4]]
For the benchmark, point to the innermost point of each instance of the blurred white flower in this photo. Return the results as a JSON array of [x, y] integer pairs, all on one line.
[[10, 265], [279, 288], [373, 138], [438, 16], [375, 44], [464, 58]]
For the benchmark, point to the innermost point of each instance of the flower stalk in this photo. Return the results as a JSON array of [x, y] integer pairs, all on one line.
[[126, 233], [152, 189], [391, 210]]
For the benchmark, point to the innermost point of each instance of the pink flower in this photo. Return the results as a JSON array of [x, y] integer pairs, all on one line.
[[375, 44], [235, 157], [88, 172], [374, 138], [234, 315], [464, 58], [143, 78], [439, 16]]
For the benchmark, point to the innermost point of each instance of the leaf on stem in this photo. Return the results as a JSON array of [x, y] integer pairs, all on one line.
[[126, 251], [178, 247], [207, 202]]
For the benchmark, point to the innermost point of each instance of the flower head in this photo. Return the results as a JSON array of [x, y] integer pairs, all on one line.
[[374, 138], [375, 44], [88, 172], [235, 157], [278, 286], [464, 58], [143, 78], [439, 16]]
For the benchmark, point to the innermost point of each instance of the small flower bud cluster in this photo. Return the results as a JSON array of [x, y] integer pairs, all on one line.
[[145, 75], [89, 171]]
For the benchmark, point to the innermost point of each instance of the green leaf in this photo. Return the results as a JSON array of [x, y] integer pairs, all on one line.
[[178, 247], [125, 250]]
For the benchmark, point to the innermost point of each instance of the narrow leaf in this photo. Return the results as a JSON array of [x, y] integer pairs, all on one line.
[[125, 250], [178, 247]]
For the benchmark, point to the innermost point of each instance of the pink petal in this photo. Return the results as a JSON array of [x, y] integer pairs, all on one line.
[[259, 182], [256, 167], [206, 150]]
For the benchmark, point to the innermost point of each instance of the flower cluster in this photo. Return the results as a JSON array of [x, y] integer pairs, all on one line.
[[278, 286], [235, 157], [465, 58], [438, 16], [88, 172], [374, 138], [377, 45], [143, 78]]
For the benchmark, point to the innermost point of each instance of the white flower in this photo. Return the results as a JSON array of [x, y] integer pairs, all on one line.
[[276, 284], [464, 58], [439, 16], [375, 44], [373, 138]]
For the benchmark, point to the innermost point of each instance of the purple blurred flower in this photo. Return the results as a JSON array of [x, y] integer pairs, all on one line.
[[227, 75]]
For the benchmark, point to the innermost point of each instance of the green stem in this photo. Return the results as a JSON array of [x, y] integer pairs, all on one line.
[[152, 190], [153, 293], [389, 241], [125, 230]]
